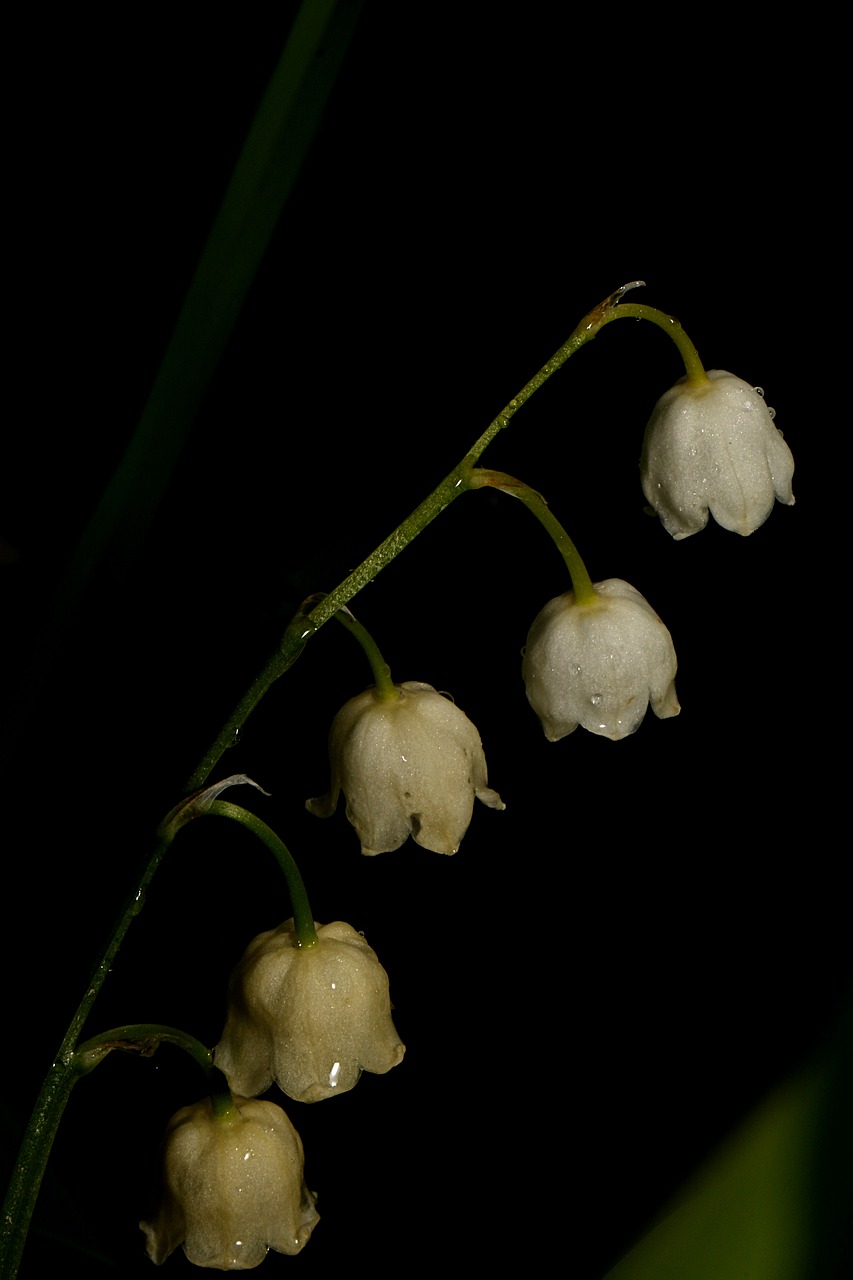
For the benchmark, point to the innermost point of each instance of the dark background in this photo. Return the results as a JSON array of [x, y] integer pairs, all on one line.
[[616, 969]]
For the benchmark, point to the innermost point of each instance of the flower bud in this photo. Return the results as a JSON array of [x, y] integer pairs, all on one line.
[[408, 765], [233, 1187], [600, 664], [714, 445], [310, 1018]]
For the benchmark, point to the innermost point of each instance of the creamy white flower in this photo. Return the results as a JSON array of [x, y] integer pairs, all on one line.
[[599, 665], [233, 1187], [714, 445], [408, 765], [310, 1018]]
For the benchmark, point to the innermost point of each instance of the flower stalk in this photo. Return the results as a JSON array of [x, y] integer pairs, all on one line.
[[143, 1038], [305, 932], [384, 685], [693, 366], [581, 581]]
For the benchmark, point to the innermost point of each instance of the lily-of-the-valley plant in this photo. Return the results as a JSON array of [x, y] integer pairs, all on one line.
[[309, 1005]]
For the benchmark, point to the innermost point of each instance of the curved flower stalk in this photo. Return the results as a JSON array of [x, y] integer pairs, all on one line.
[[309, 1018], [599, 663], [711, 444], [409, 763], [233, 1187]]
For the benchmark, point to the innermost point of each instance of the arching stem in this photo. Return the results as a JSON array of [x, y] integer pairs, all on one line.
[[581, 581]]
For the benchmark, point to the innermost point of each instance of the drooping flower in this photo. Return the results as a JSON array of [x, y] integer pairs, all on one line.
[[233, 1187], [599, 664], [310, 1018], [713, 445], [410, 764]]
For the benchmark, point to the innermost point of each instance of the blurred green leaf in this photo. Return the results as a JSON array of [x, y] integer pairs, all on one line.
[[774, 1201]]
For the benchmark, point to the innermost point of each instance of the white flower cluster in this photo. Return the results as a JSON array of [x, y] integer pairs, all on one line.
[[312, 1018]]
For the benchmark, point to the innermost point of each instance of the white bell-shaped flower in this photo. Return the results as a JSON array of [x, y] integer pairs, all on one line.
[[599, 664], [233, 1187], [309, 1018], [713, 445], [409, 764]]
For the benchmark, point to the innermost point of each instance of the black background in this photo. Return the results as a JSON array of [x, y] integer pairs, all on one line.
[[612, 972]]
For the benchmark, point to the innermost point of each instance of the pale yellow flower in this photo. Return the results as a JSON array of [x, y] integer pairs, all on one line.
[[233, 1187], [309, 1018]]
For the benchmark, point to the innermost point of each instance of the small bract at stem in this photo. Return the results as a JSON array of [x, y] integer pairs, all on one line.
[[143, 1038], [581, 581]]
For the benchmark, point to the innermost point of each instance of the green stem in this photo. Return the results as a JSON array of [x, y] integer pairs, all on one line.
[[385, 687], [56, 1089], [456, 482], [581, 581], [143, 1038], [302, 916], [32, 1160], [692, 364]]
